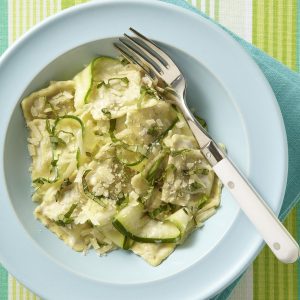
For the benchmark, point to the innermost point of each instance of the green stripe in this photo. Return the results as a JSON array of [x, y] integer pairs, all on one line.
[[274, 31], [207, 7], [268, 261], [3, 26], [294, 34], [298, 56], [273, 279], [266, 22], [69, 3], [217, 10], [280, 30], [3, 284], [284, 28]]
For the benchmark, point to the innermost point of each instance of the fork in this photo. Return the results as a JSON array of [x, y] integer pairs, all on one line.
[[168, 80]]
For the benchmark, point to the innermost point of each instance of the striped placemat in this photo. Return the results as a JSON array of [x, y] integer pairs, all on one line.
[[273, 26]]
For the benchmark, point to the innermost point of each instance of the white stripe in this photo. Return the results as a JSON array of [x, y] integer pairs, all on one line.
[[51, 7], [58, 7], [10, 290], [244, 289], [212, 8], [237, 17], [17, 18], [30, 13], [37, 11], [24, 15], [18, 291], [10, 22], [194, 2], [44, 9], [248, 21], [203, 6]]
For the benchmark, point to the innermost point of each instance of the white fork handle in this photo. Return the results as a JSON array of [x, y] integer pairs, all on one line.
[[271, 229]]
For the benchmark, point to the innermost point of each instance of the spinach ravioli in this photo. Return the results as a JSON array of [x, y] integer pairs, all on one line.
[[114, 165]]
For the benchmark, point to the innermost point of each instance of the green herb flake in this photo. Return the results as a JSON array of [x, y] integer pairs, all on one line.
[[146, 90], [106, 112], [201, 121], [195, 187], [48, 127], [202, 200], [66, 219], [153, 130], [164, 133], [122, 201], [66, 183], [102, 83], [179, 152], [88, 193]]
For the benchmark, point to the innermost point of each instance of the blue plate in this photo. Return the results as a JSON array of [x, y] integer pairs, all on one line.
[[224, 86]]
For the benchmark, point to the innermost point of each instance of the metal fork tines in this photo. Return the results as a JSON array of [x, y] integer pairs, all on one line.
[[141, 51]]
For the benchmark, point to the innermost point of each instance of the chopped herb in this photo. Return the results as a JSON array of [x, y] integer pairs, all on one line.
[[201, 121], [43, 180], [108, 85], [100, 84], [153, 130], [102, 244], [124, 61], [205, 172], [97, 132], [198, 171], [88, 154], [88, 193], [48, 127], [63, 187], [66, 219], [106, 112], [54, 162], [125, 80], [56, 141], [195, 187], [146, 90], [160, 212], [122, 201], [179, 152], [202, 200], [78, 158], [66, 132], [112, 127], [164, 133], [185, 210]]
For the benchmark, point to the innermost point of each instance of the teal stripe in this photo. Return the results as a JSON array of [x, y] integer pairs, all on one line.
[[3, 283], [3, 26]]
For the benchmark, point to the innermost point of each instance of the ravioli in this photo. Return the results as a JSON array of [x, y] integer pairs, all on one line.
[[114, 165]]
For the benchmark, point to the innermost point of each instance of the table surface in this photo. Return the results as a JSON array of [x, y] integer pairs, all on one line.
[[271, 25]]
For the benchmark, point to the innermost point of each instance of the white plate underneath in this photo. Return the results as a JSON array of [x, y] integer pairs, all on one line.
[[224, 86]]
